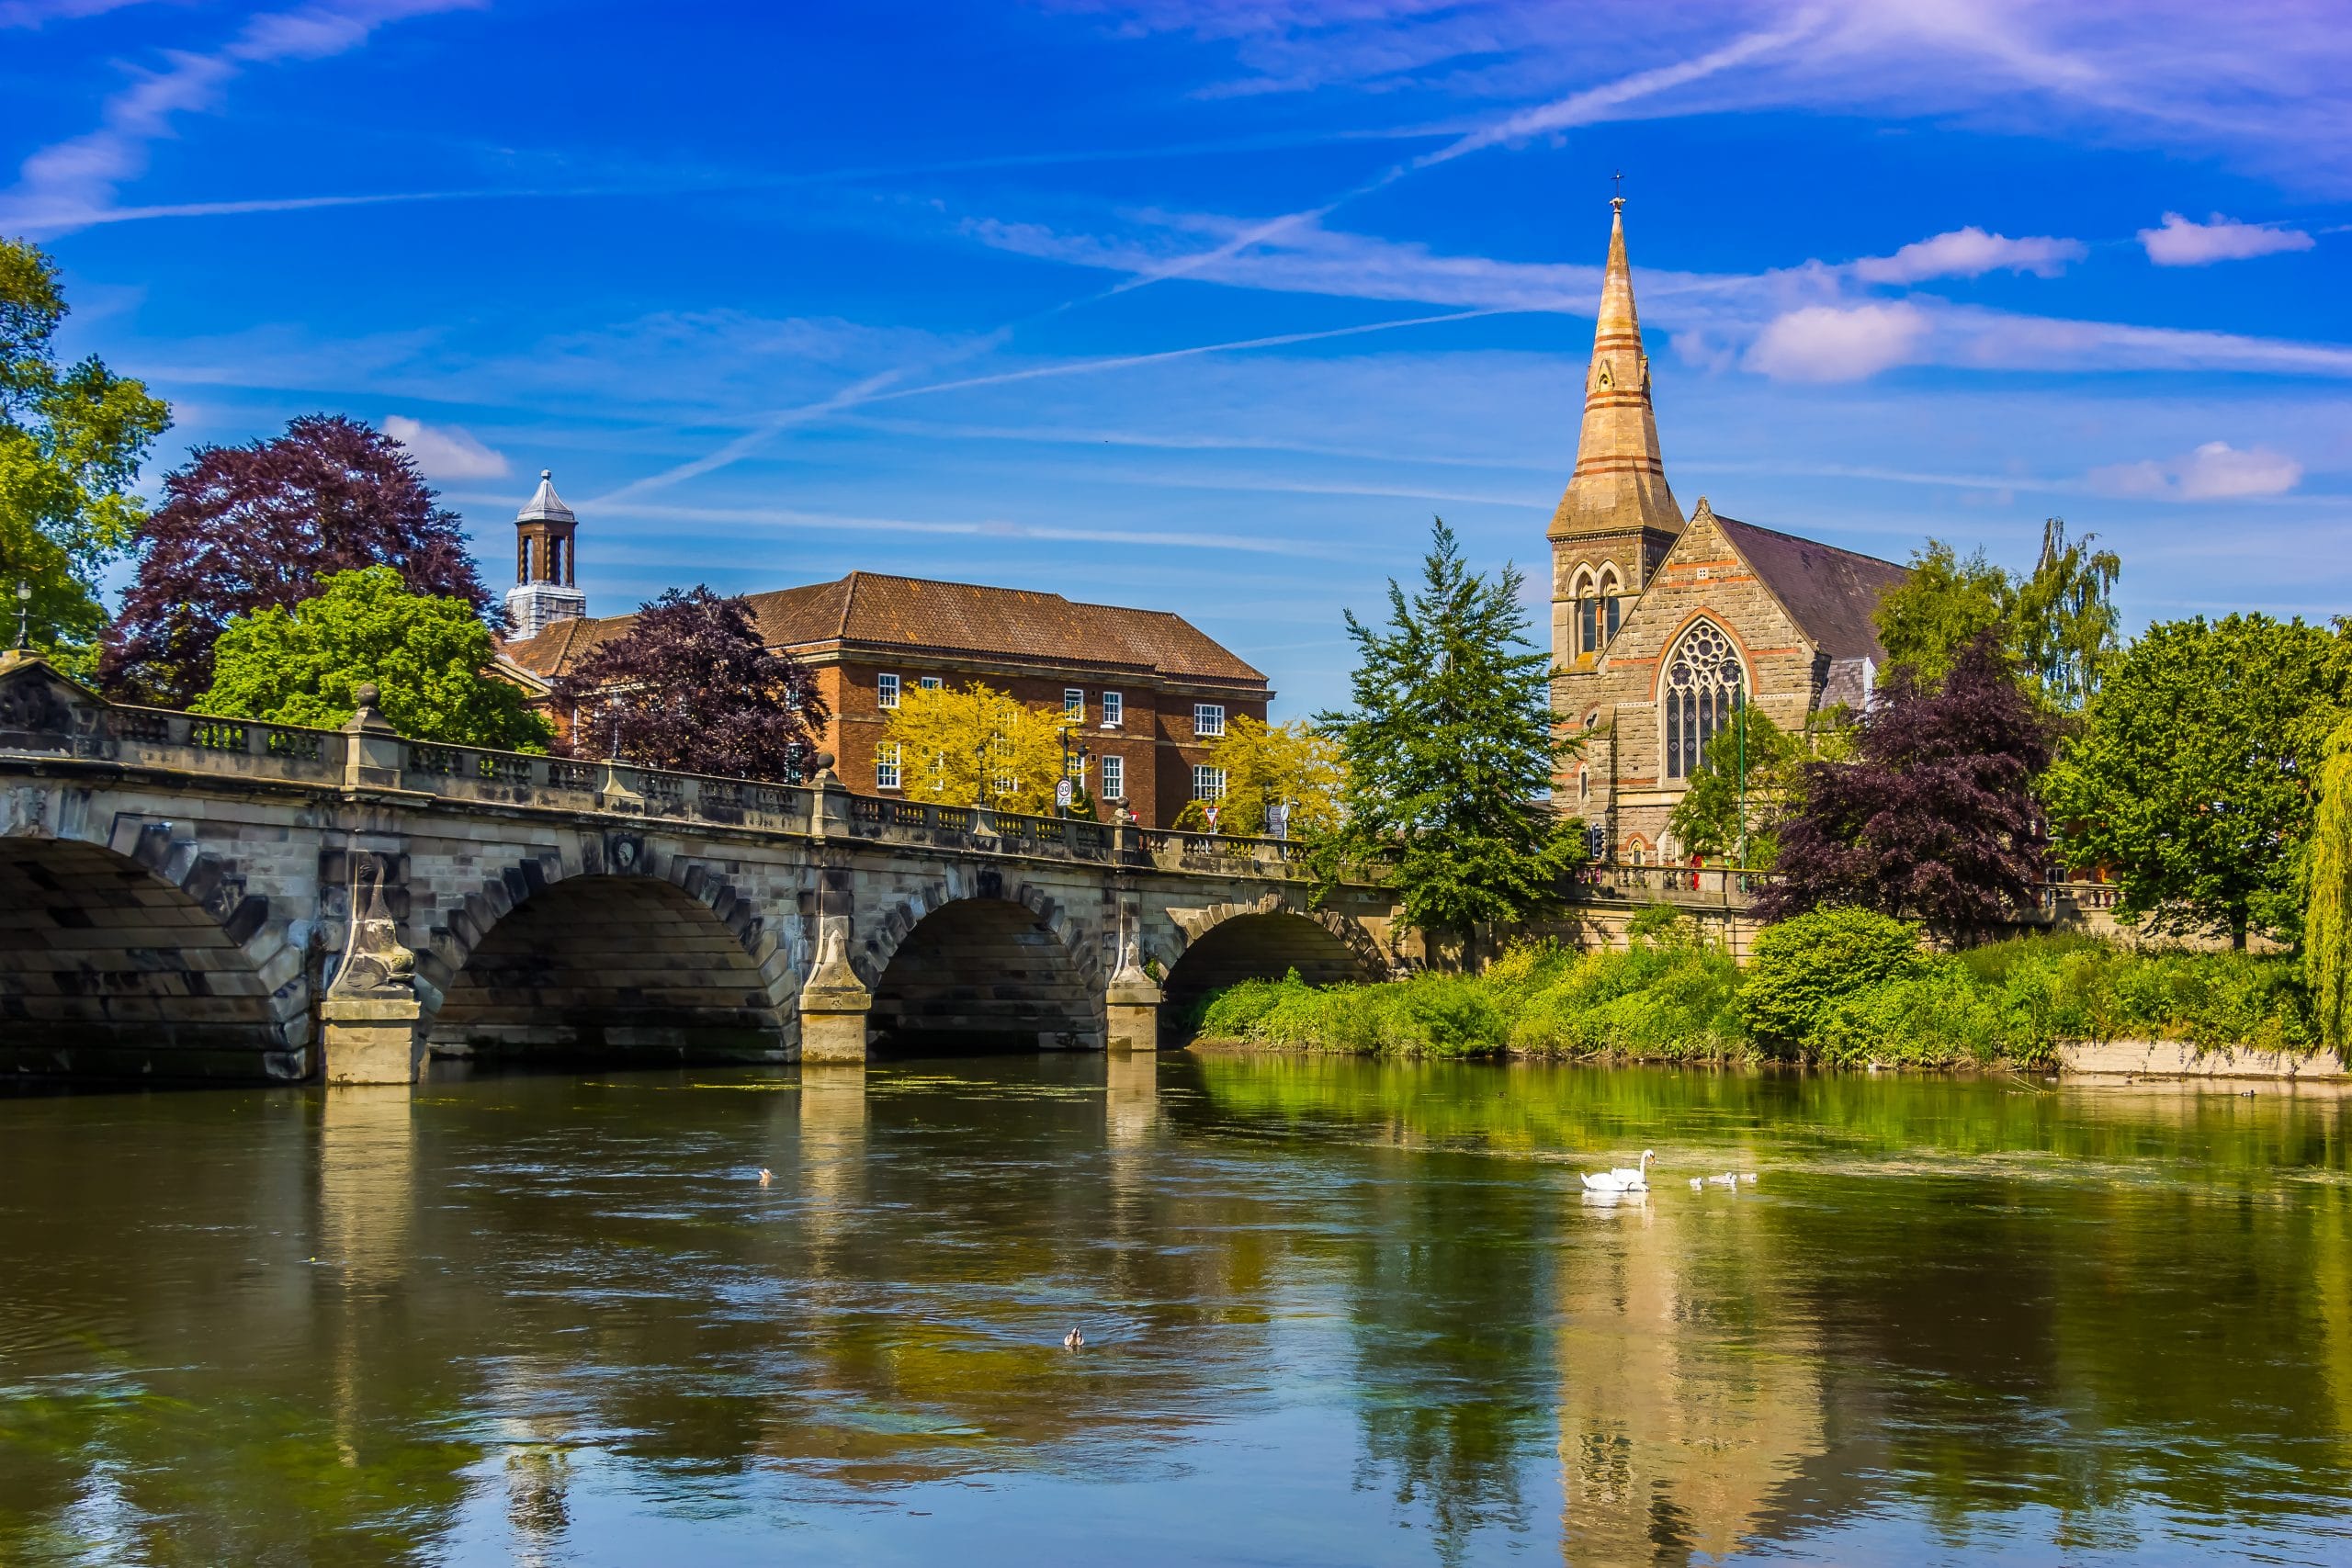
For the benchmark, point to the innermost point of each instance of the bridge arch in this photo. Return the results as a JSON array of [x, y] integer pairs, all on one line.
[[978, 962], [1225, 944], [147, 958], [629, 954]]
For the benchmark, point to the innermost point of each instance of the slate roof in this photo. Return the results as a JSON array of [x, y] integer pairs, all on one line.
[[1831, 593], [869, 612]]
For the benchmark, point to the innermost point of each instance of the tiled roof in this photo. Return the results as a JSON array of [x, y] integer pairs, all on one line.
[[867, 611], [1832, 593]]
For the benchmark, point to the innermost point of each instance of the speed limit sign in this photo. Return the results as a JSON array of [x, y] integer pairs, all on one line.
[[1063, 795]]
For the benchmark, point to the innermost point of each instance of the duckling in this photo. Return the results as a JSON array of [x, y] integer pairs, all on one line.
[[1074, 1340]]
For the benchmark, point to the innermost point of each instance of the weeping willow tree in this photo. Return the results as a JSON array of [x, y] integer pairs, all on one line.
[[2327, 919]]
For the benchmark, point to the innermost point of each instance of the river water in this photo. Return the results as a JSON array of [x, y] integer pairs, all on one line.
[[1336, 1312]]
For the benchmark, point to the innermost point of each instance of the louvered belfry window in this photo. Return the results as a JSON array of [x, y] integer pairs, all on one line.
[[1703, 689]]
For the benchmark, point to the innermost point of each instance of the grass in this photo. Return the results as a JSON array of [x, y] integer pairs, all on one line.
[[1674, 999]]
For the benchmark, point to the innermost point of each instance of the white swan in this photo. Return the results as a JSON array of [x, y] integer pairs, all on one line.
[[1725, 1179], [1624, 1178], [1696, 1184]]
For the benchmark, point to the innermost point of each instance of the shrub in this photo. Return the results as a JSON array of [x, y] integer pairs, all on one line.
[[1806, 966]]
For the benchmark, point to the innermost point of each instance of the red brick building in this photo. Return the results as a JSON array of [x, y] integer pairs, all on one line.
[[1154, 692]]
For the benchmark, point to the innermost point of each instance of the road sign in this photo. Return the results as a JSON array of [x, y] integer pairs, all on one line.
[[1063, 795]]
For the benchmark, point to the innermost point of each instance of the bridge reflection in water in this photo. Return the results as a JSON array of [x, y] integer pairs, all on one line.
[[552, 1318]]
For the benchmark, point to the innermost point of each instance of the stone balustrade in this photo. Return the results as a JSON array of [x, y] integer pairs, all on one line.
[[236, 751]]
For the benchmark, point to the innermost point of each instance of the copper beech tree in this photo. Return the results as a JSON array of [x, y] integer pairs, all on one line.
[[247, 528], [1934, 818], [691, 687]]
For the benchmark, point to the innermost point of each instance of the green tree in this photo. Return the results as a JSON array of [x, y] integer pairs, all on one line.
[[427, 656], [1945, 605], [1267, 764], [1751, 773], [71, 439], [2057, 622], [1450, 748], [2194, 774], [2327, 908], [2063, 626]]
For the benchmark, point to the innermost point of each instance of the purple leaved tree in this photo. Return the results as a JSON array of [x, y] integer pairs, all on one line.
[[1935, 818], [691, 687], [243, 528]]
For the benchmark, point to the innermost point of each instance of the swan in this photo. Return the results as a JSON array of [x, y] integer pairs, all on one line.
[[1624, 1178], [1725, 1179], [1073, 1340], [1696, 1184]]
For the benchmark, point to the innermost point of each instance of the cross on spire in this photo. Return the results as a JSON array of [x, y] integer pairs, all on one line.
[[1617, 202]]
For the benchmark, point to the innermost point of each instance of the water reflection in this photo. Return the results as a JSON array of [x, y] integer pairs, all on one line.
[[1690, 1383], [1339, 1313]]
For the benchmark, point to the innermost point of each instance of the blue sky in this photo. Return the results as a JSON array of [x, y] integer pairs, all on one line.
[[1210, 307]]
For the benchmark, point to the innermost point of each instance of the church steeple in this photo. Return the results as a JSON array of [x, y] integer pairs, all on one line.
[[1619, 484]]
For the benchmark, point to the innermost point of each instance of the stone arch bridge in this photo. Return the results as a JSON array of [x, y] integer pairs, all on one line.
[[192, 898]]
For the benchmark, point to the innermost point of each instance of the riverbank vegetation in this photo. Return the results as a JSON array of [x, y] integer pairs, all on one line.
[[1840, 988]]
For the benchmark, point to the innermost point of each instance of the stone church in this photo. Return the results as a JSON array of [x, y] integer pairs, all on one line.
[[1663, 626]]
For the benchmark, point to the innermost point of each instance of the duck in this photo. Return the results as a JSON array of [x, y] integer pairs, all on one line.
[[767, 1177], [1074, 1340], [1624, 1178]]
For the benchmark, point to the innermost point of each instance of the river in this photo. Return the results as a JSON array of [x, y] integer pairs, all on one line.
[[1336, 1312]]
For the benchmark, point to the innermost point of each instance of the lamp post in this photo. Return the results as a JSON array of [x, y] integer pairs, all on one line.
[[1083, 755], [24, 616]]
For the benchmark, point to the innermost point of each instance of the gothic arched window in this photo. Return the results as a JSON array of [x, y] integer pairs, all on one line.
[[1597, 609], [1704, 688]]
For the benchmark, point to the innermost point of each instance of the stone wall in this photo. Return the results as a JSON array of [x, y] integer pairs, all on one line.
[[1615, 702]]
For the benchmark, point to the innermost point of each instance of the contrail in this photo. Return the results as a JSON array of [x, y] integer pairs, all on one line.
[[1578, 109], [874, 389]]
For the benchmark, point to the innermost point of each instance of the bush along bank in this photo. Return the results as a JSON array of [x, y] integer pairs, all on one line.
[[1838, 987]]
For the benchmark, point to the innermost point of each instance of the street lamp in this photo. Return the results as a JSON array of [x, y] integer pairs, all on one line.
[[24, 616], [1083, 755]]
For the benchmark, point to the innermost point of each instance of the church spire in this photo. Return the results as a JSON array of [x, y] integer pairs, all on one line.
[[1620, 479]]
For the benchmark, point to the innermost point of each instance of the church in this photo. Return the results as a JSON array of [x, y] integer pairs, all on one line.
[[1663, 627]]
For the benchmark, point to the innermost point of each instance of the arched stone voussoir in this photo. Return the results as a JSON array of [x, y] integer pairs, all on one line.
[[446, 950]]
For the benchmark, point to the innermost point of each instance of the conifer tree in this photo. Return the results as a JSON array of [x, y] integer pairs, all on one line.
[[1451, 748]]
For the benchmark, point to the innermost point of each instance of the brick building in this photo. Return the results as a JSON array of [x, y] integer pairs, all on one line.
[[1153, 693], [1662, 627]]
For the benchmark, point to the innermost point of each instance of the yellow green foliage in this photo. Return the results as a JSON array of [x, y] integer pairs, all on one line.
[[1266, 765], [959, 746]]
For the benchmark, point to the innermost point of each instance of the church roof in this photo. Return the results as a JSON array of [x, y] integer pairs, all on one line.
[[1831, 593], [869, 611]]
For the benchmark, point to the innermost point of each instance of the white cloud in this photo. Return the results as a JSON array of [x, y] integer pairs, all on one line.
[[2215, 471], [71, 183], [446, 452], [1971, 253], [1823, 342], [2184, 243]]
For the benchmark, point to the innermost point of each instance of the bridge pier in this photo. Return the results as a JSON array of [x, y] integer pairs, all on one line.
[[834, 1003], [371, 1038], [1131, 1009]]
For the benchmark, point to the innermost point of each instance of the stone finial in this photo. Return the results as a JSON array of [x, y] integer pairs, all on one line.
[[367, 718], [824, 777]]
